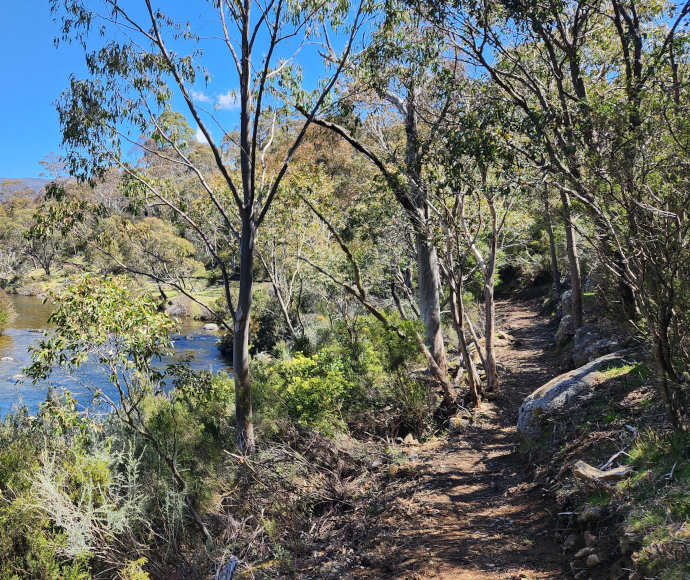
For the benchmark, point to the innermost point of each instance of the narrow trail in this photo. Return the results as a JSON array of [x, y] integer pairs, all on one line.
[[466, 510]]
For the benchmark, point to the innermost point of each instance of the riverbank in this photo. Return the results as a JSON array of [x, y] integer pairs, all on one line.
[[37, 284]]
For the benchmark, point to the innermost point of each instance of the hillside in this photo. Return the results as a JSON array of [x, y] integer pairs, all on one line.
[[12, 185]]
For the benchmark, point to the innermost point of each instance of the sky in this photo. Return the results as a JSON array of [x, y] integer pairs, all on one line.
[[35, 72]]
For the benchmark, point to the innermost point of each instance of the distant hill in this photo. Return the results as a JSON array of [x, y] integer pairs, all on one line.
[[12, 185]]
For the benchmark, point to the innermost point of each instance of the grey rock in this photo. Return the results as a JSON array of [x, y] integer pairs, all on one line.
[[584, 552], [180, 307], [571, 541], [210, 327], [566, 305], [566, 330], [206, 316], [584, 336], [458, 423], [596, 349], [561, 394], [593, 560], [588, 344]]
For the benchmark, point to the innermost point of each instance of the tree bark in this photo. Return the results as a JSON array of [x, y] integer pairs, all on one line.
[[240, 347], [663, 369], [429, 298], [555, 274], [458, 310], [573, 261], [490, 306]]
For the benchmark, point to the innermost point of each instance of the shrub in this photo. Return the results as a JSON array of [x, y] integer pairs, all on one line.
[[6, 311], [359, 376], [307, 389]]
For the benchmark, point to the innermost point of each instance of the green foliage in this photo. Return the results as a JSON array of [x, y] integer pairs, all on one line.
[[80, 495], [6, 311], [147, 245], [657, 523], [103, 318], [32, 543], [307, 389], [192, 423], [359, 367]]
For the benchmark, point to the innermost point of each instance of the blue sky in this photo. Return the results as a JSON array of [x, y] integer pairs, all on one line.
[[35, 73]]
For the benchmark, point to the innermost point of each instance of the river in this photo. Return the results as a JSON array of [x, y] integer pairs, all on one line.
[[27, 328]]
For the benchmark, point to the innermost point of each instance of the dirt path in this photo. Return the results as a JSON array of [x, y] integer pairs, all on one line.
[[464, 510]]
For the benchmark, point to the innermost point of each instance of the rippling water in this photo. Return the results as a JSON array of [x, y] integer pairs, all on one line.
[[27, 329]]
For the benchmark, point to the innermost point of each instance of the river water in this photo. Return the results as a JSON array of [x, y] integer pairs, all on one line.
[[27, 328]]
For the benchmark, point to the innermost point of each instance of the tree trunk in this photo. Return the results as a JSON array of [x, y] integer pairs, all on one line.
[[573, 261], [429, 301], [458, 310], [490, 305], [240, 353], [555, 274], [664, 372]]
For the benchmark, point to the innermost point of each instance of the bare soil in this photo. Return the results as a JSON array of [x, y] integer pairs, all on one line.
[[463, 507]]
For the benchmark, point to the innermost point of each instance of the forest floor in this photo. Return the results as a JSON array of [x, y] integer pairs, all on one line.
[[465, 507]]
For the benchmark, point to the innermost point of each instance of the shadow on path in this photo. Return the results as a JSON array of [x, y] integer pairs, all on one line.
[[463, 509]]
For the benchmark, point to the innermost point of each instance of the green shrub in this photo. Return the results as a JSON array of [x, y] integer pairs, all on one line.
[[193, 418], [359, 376], [6, 311], [31, 544], [307, 389]]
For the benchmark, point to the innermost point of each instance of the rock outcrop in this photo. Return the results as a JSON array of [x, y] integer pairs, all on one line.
[[563, 392], [589, 344], [566, 305], [566, 330]]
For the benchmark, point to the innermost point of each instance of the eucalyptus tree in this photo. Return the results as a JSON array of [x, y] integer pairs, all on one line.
[[142, 60], [391, 110], [497, 39], [477, 182], [601, 86], [638, 168]]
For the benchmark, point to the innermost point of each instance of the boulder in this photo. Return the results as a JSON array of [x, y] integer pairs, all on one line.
[[210, 327], [584, 336], [566, 330], [595, 350], [263, 356], [584, 552], [593, 560], [589, 344], [566, 305], [180, 307], [458, 423], [563, 393]]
